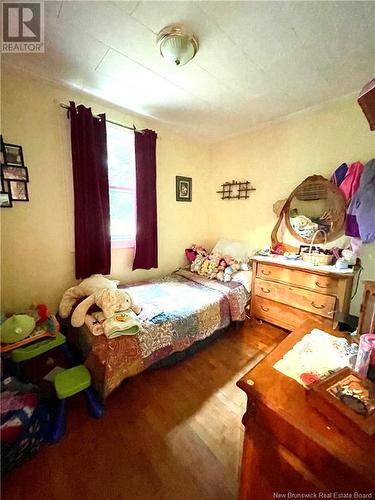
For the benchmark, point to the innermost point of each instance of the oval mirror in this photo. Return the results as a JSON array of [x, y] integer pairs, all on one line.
[[316, 204]]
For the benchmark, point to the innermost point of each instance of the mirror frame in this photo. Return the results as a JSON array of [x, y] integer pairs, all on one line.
[[332, 235]]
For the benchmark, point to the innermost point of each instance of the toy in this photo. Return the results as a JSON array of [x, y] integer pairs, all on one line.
[[16, 328], [209, 266], [234, 266], [220, 269], [204, 270], [42, 313], [212, 269], [199, 250], [97, 290], [190, 254], [197, 263]]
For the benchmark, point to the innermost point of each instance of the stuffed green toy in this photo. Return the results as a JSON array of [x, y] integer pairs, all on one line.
[[16, 328]]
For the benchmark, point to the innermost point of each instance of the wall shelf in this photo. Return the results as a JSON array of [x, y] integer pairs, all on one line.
[[236, 190]]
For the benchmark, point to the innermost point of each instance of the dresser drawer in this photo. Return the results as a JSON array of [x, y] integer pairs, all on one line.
[[323, 284], [283, 315], [317, 303]]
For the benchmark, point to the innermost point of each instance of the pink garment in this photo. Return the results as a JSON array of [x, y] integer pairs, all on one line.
[[350, 184]]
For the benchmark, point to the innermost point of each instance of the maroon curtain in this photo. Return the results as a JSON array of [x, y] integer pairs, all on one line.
[[146, 249], [91, 194]]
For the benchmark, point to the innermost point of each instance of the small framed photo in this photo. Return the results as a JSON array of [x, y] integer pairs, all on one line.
[[5, 200], [183, 188], [10, 173], [13, 155], [18, 190]]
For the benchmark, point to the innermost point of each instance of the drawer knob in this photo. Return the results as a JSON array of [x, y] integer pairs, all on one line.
[[319, 285], [266, 273], [265, 290], [317, 306], [265, 309]]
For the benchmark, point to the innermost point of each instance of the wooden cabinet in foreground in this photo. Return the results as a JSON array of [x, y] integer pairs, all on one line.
[[291, 448]]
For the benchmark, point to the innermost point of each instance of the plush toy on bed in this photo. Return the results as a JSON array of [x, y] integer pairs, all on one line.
[[197, 263], [220, 269], [234, 266], [100, 291]]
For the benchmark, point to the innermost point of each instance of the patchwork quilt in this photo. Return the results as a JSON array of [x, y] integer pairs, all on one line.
[[177, 311]]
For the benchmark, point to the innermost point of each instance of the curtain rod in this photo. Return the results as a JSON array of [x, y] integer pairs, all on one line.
[[65, 106]]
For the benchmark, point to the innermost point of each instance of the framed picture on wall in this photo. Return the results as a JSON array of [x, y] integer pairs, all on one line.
[[12, 173], [183, 188], [13, 155], [5, 200], [18, 191], [2, 158]]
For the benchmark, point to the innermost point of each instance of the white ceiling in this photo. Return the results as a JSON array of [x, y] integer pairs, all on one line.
[[257, 60]]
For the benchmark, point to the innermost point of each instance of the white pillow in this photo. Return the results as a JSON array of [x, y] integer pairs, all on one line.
[[243, 277], [236, 249]]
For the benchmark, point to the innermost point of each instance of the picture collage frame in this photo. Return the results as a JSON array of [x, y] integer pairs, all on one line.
[[14, 175]]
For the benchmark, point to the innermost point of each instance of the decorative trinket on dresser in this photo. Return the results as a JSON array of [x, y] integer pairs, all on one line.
[[347, 399]]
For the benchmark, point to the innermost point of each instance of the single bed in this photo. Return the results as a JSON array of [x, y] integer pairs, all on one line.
[[177, 311]]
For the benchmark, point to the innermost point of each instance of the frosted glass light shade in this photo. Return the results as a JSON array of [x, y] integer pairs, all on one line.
[[176, 45]]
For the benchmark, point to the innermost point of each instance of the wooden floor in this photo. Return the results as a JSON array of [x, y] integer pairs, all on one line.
[[168, 434]]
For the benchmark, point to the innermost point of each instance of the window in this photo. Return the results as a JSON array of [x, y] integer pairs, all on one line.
[[121, 176]]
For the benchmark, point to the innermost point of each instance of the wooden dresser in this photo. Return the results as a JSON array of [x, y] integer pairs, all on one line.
[[286, 294], [289, 447]]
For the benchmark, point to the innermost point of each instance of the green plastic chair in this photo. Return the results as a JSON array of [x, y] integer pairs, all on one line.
[[68, 383], [72, 381]]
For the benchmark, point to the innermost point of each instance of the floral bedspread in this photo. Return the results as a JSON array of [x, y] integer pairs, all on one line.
[[176, 311]]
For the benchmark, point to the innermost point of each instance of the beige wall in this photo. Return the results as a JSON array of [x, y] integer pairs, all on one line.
[[276, 158], [37, 237]]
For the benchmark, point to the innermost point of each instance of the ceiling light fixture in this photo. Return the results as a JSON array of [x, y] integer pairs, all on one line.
[[177, 45]]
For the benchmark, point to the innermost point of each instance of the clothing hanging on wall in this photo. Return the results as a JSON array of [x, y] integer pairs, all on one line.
[[360, 220], [339, 174], [352, 179]]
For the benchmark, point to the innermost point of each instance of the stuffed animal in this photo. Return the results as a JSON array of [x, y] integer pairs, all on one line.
[[199, 250], [204, 270], [234, 266], [97, 290], [220, 269], [211, 270], [197, 263]]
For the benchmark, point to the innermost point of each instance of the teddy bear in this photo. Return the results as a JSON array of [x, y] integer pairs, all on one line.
[[213, 266], [100, 291], [197, 263], [204, 269], [233, 267], [211, 271]]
